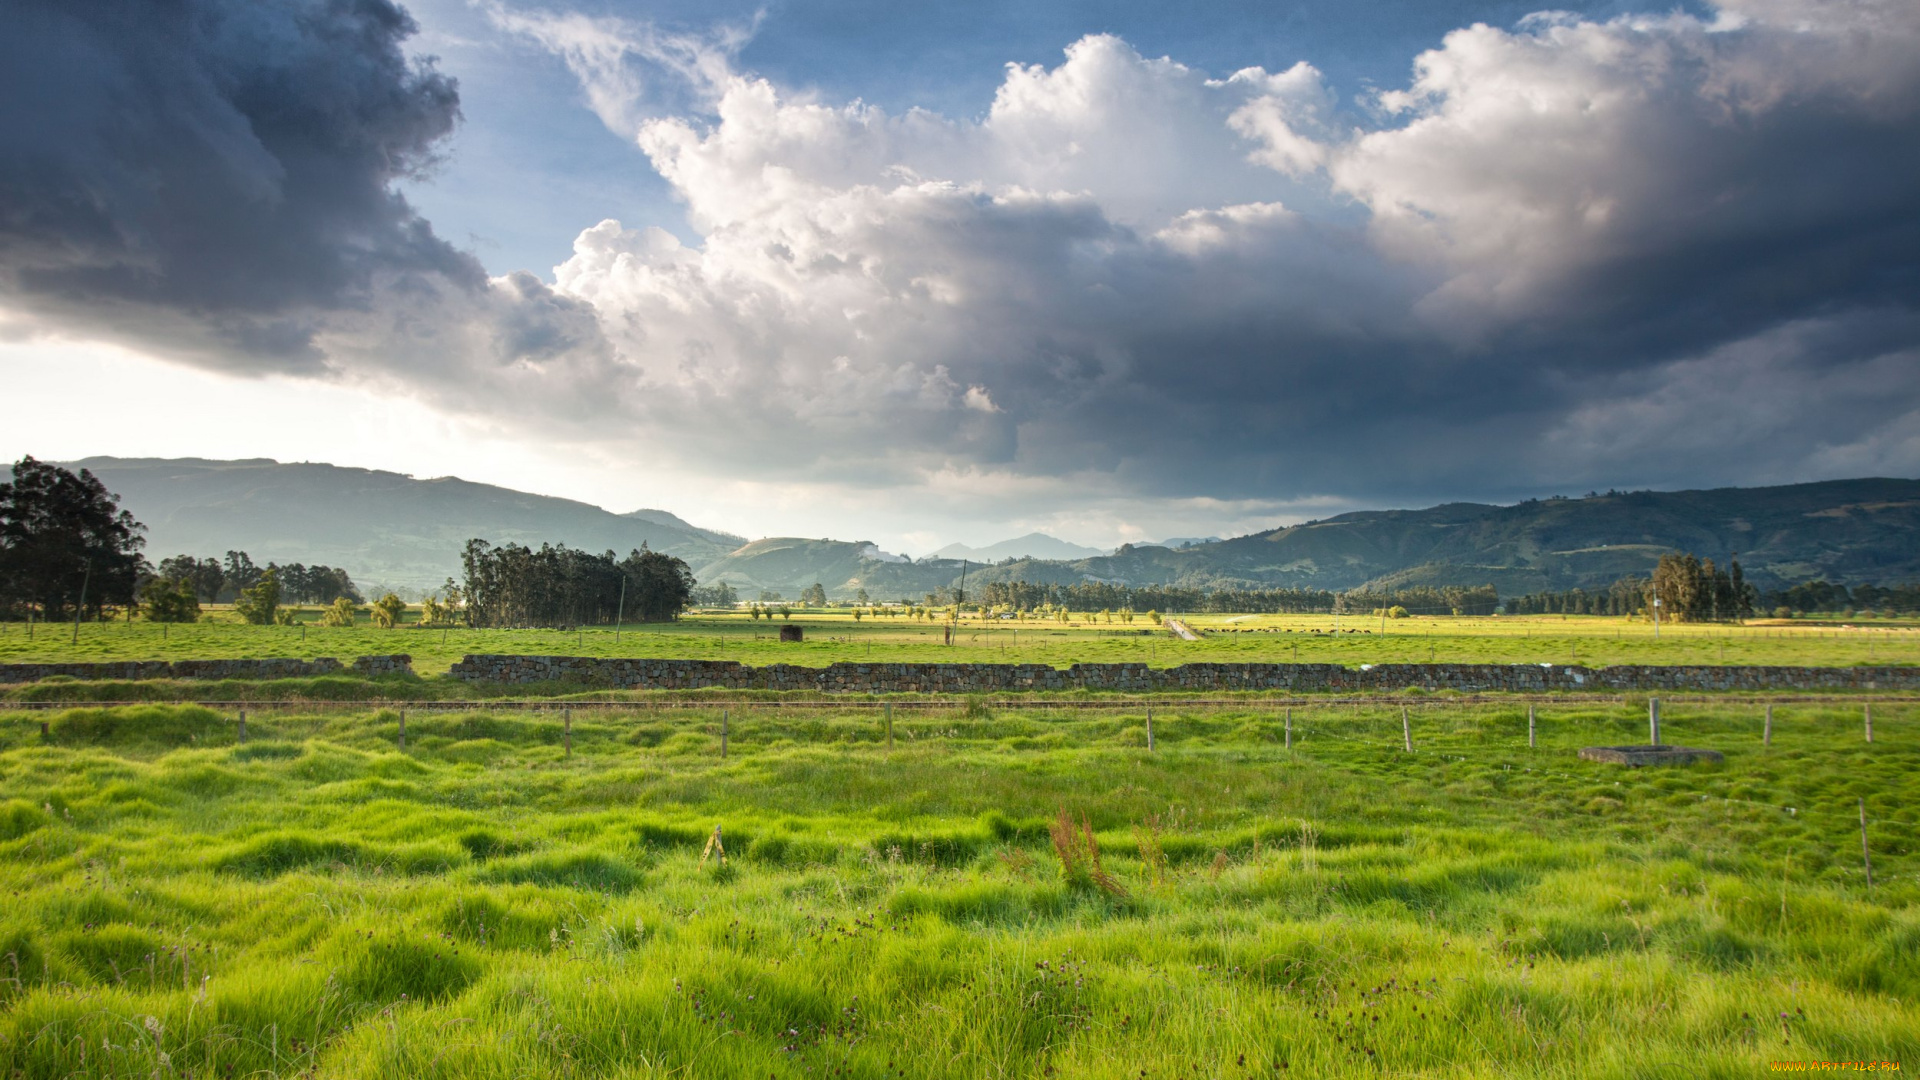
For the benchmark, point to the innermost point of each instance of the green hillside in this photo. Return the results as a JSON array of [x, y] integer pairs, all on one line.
[[384, 528], [1849, 531]]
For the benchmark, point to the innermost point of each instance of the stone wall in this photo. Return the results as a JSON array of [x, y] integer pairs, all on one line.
[[638, 674], [270, 668]]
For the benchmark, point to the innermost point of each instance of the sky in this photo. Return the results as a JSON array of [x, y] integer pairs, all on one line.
[[930, 273]]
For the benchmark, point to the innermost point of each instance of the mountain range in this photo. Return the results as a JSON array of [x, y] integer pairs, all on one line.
[[394, 530], [385, 529], [1031, 546]]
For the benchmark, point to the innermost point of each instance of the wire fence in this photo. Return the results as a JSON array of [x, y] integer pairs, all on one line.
[[1412, 731]]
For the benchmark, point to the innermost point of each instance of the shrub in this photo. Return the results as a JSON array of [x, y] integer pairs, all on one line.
[[387, 611], [340, 614]]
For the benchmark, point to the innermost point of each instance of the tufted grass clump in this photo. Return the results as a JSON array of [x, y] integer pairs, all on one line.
[[1022, 893]]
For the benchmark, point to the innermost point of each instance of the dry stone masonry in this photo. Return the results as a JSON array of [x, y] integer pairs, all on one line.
[[642, 674], [857, 678], [270, 668]]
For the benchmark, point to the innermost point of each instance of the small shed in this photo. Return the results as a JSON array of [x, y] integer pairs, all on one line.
[[790, 632]]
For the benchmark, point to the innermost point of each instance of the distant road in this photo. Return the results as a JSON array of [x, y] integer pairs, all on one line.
[[1180, 630]]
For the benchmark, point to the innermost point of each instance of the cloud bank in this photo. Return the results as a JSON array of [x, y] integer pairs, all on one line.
[[1652, 250]]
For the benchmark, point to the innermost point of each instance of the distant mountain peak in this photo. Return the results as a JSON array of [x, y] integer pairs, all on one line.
[[1034, 545]]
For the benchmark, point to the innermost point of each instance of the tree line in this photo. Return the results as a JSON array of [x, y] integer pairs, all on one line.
[[1627, 596], [512, 585], [216, 581], [1825, 596], [1684, 587], [1105, 596]]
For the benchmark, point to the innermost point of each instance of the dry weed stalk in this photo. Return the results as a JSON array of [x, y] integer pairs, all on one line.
[[1079, 854]]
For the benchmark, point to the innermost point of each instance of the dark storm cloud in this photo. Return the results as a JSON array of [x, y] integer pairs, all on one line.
[[1648, 250], [216, 174]]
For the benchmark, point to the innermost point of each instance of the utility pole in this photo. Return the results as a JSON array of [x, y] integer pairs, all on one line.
[[622, 615], [1656, 618]]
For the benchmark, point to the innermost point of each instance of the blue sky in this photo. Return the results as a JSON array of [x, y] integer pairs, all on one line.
[[918, 274]]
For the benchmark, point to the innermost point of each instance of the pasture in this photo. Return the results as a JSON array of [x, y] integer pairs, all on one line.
[[501, 899], [834, 635]]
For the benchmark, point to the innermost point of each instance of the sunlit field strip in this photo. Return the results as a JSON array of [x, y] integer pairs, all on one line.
[[836, 636]]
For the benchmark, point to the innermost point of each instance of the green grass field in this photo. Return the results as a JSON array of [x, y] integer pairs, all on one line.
[[315, 902], [1591, 640]]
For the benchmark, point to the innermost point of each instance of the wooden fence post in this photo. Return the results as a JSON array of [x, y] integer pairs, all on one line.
[[566, 722], [889, 709], [1653, 719], [1530, 743], [1289, 729], [1149, 729], [723, 734], [403, 729], [1406, 729], [243, 725], [1766, 733], [1868, 710]]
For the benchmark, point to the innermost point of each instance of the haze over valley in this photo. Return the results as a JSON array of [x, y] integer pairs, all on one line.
[[396, 531]]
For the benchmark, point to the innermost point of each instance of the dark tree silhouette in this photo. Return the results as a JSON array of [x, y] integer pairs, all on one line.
[[514, 585], [62, 534]]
